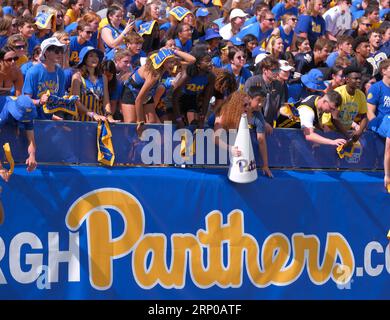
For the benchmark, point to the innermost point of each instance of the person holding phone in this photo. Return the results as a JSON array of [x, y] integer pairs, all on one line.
[[113, 34]]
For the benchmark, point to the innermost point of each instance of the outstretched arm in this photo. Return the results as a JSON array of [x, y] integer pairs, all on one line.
[[30, 161]]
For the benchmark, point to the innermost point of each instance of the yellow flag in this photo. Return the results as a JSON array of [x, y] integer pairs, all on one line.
[[10, 159]]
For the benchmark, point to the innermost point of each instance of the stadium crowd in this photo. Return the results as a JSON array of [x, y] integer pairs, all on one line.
[[316, 65]]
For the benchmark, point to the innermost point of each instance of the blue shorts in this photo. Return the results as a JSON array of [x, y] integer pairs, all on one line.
[[380, 125]]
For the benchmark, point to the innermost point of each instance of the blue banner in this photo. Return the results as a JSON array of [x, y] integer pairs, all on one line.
[[73, 232], [75, 143]]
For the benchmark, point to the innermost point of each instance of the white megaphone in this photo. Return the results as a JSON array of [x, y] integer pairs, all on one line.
[[243, 168]]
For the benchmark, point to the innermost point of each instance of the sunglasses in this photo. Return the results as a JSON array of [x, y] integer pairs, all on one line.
[[21, 47], [89, 32], [60, 16], [294, 19], [241, 57], [270, 19], [56, 50], [14, 59], [275, 70], [367, 24]]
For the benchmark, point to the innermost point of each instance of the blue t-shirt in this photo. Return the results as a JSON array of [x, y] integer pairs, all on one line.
[[116, 94], [331, 60], [253, 29], [280, 10], [196, 85], [383, 12], [31, 43], [38, 81], [315, 27], [217, 62], [25, 67], [241, 78], [3, 41], [186, 47], [379, 95], [287, 38], [74, 50], [257, 122], [249, 21], [70, 27], [136, 59]]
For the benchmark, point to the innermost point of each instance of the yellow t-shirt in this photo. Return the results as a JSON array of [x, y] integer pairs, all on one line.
[[103, 23], [22, 60], [71, 15], [349, 109]]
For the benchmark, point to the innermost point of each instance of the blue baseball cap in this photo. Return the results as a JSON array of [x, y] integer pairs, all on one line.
[[236, 41], [84, 51], [22, 108], [314, 80], [258, 50], [202, 12], [211, 34], [8, 10]]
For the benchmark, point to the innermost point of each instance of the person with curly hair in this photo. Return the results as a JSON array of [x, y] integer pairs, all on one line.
[[228, 117]]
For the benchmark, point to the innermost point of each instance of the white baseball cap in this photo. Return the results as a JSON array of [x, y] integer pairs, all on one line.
[[48, 43], [285, 66], [237, 13], [260, 57]]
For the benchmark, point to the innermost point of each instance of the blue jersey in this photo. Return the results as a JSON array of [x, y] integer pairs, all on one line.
[[115, 34], [196, 85], [135, 84], [280, 10], [38, 81], [91, 96], [376, 58], [379, 95], [315, 27], [75, 48]]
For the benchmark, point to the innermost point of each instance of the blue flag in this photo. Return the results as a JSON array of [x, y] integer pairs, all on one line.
[[106, 153], [146, 27], [66, 104]]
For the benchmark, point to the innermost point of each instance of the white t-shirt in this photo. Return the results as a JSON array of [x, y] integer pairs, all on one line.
[[336, 21]]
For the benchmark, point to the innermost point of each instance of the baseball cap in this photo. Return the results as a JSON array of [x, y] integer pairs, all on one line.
[[202, 12], [211, 34], [285, 66], [48, 43], [22, 108], [237, 13]]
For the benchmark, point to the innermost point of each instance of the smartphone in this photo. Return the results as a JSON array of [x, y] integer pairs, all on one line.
[[130, 16]]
